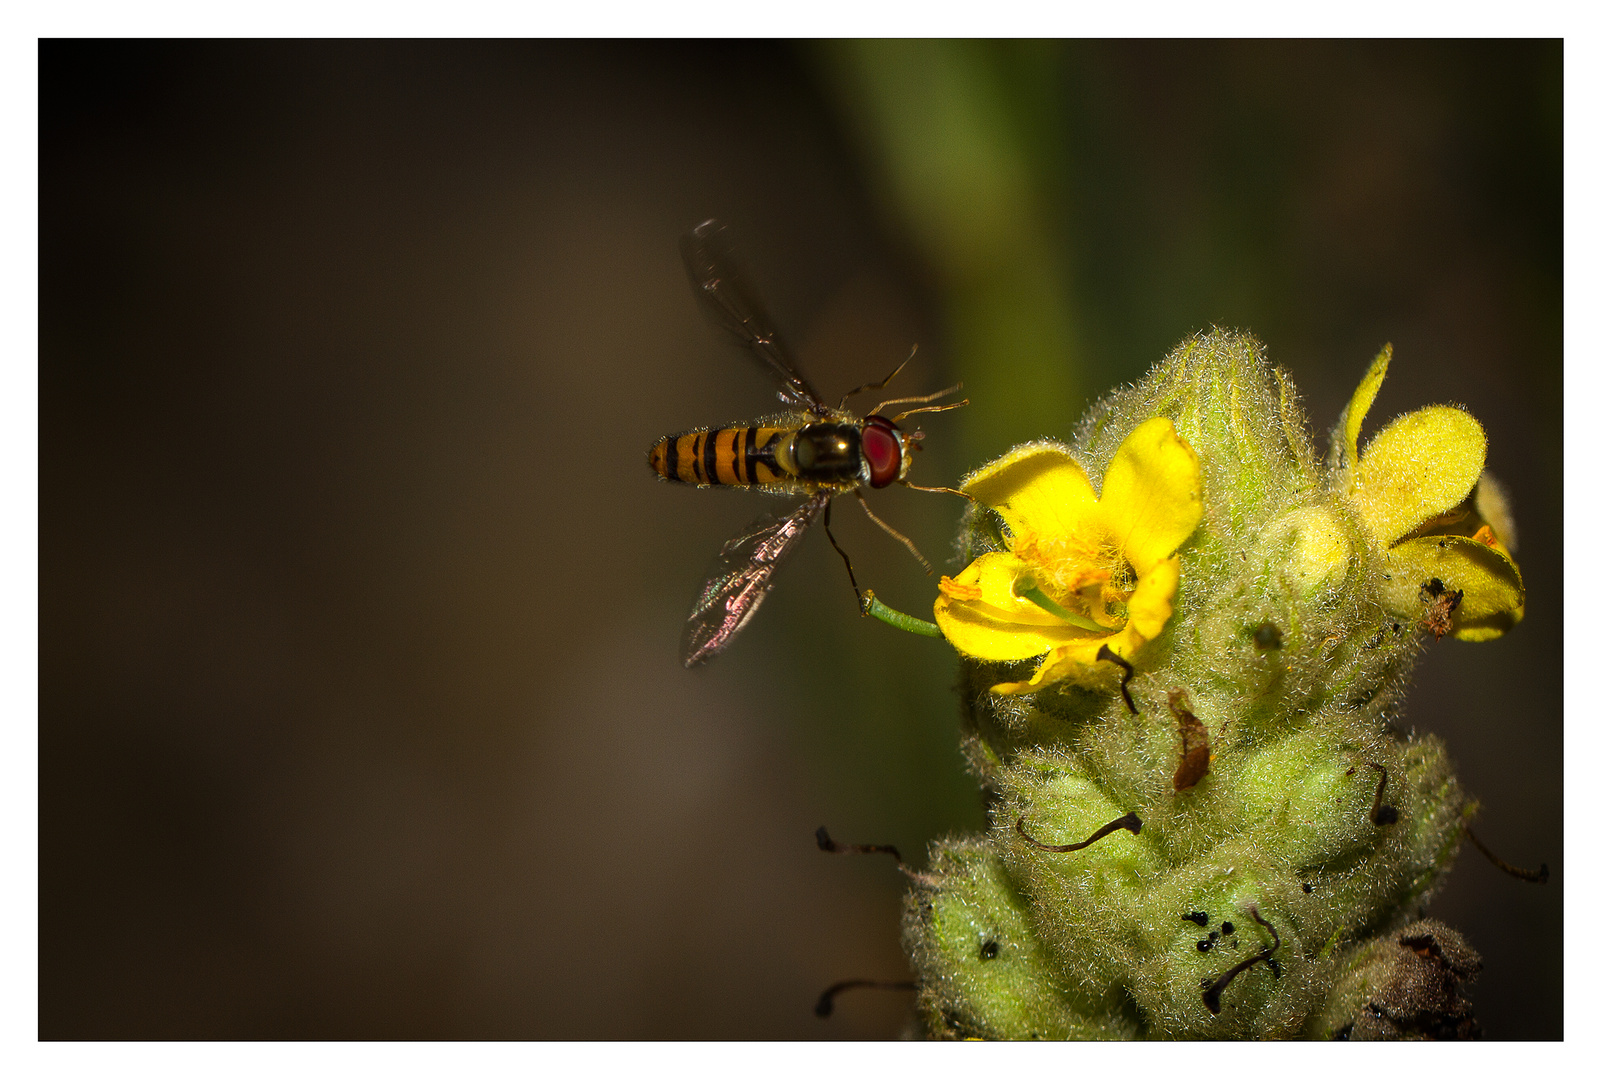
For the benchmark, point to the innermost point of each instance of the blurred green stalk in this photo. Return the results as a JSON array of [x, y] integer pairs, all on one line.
[[957, 133]]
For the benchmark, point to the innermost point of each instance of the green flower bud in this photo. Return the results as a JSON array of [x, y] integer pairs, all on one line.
[[1313, 551]]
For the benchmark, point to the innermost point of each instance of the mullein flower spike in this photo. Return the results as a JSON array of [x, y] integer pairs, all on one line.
[[1270, 610]]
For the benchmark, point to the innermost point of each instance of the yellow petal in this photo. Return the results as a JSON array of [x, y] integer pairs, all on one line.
[[1151, 499], [1072, 661], [1493, 589], [1351, 422], [1151, 604], [1038, 489], [1492, 503], [998, 625], [1421, 465]]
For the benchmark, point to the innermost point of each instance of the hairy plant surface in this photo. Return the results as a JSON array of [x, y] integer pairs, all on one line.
[[1186, 642]]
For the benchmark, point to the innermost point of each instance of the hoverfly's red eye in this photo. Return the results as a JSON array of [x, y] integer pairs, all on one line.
[[882, 449]]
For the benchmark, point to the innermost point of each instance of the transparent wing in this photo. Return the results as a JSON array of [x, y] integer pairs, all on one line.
[[728, 299], [741, 578]]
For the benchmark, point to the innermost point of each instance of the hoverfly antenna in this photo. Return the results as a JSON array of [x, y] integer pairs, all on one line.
[[882, 383]]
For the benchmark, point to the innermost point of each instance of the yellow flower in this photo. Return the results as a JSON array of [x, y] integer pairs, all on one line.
[[1080, 572], [1419, 491]]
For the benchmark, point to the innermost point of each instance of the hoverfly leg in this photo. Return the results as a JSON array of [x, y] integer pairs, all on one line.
[[948, 491], [882, 383], [877, 520], [898, 417], [862, 605], [920, 399]]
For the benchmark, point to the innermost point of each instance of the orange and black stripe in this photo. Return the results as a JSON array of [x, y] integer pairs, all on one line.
[[742, 457]]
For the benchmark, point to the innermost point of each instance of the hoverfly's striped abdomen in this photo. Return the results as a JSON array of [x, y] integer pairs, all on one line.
[[739, 457]]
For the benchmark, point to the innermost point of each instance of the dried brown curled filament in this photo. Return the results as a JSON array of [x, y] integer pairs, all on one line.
[[1381, 814], [825, 1006], [1104, 653], [1534, 877], [1130, 821], [828, 843], [1213, 990], [1195, 752]]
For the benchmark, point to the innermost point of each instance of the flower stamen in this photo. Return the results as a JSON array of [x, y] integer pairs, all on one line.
[[1026, 589]]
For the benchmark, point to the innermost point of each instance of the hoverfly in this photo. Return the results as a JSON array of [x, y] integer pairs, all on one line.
[[814, 450]]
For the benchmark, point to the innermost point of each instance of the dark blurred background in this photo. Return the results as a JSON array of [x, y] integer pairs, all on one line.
[[361, 713]]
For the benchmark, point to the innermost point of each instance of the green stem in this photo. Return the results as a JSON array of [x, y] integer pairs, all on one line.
[[872, 605]]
